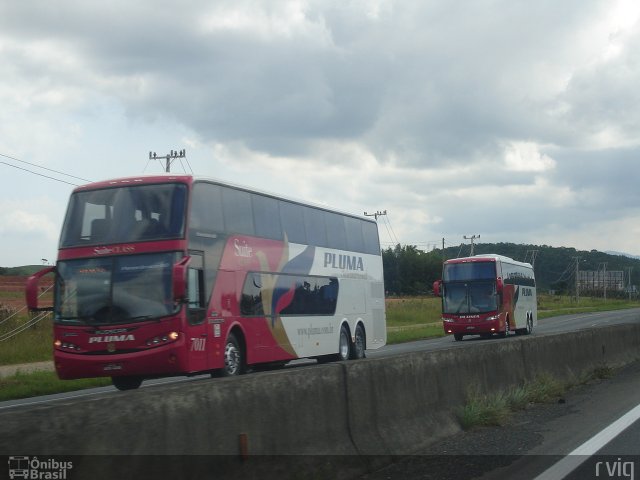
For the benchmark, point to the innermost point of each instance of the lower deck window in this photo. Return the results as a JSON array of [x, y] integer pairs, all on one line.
[[293, 295]]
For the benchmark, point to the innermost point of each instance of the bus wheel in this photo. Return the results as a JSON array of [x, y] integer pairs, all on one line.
[[233, 357], [528, 328], [529, 325], [458, 336], [359, 345], [505, 333], [126, 383], [344, 347]]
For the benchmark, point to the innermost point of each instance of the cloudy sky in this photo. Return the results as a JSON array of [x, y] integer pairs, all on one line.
[[515, 120]]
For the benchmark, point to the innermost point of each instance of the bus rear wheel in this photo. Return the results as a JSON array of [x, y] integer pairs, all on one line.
[[529, 329], [233, 357], [126, 383], [458, 336], [359, 345], [344, 347]]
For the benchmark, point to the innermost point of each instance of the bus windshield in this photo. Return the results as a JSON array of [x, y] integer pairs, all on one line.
[[471, 297], [125, 215], [469, 287], [114, 290]]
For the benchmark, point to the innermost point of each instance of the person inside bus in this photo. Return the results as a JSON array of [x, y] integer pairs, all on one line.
[[482, 298]]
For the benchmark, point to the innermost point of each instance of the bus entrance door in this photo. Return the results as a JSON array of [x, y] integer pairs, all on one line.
[[197, 336]]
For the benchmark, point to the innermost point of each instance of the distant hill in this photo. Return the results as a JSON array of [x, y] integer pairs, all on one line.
[[610, 252]]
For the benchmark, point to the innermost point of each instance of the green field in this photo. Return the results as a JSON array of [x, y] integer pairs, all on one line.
[[407, 319]]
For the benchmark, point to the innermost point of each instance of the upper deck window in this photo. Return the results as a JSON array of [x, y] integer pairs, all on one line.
[[125, 215], [461, 272], [219, 209]]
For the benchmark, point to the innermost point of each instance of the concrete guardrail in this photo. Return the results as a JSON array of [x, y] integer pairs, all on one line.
[[339, 420]]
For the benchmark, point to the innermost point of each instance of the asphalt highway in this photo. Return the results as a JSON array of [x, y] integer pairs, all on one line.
[[565, 323]]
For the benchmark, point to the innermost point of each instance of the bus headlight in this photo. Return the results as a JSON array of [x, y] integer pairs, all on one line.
[[66, 345], [162, 339], [493, 318]]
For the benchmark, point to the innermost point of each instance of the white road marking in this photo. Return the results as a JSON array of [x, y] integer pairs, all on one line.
[[581, 454]]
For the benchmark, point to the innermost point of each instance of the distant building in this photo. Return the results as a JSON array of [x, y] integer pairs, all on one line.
[[598, 280]]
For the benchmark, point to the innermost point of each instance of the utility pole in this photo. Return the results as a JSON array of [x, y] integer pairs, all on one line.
[[534, 254], [375, 215], [577, 259], [604, 279], [472, 238], [629, 287], [169, 158]]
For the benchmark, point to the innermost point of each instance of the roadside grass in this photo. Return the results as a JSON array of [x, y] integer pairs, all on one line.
[[554, 305], [24, 385], [412, 311], [412, 319], [20, 343], [417, 332], [496, 409]]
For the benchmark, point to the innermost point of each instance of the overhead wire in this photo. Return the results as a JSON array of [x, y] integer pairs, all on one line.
[[40, 174], [21, 328], [188, 164], [37, 319], [43, 168], [388, 220]]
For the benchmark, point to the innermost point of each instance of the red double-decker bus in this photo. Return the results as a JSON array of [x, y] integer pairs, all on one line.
[[179, 275], [486, 295]]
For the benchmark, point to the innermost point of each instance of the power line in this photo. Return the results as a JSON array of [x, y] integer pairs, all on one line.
[[386, 222], [43, 168], [39, 174]]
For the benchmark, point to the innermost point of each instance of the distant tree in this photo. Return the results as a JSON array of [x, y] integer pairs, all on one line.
[[410, 271]]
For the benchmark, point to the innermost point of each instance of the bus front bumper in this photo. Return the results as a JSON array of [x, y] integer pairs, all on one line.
[[160, 361], [490, 325]]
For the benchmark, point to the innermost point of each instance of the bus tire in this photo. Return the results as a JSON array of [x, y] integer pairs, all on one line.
[[233, 357], [126, 383], [529, 329], [505, 333], [344, 345], [458, 337], [359, 344]]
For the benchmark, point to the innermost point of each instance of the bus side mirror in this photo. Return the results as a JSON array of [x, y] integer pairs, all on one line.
[[437, 286], [499, 285], [180, 279], [31, 290]]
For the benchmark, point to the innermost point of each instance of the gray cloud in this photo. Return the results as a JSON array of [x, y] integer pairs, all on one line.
[[434, 95]]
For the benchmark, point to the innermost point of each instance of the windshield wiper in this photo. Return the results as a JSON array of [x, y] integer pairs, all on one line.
[[140, 317]]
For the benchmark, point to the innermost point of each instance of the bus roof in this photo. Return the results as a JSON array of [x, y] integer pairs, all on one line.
[[190, 179], [491, 257]]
